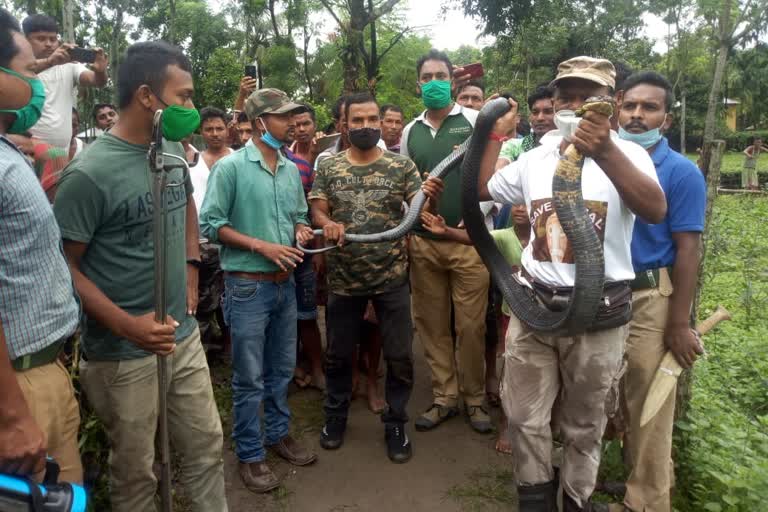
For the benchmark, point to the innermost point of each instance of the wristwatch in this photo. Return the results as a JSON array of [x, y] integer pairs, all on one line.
[[195, 263]]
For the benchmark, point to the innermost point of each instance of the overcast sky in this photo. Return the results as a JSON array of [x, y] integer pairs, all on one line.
[[456, 29]]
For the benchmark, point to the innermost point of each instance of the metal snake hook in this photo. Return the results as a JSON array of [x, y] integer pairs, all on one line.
[[159, 171]]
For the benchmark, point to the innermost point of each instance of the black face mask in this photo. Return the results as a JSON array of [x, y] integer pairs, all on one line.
[[364, 138]]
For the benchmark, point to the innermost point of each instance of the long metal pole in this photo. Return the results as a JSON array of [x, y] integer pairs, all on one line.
[[159, 183]]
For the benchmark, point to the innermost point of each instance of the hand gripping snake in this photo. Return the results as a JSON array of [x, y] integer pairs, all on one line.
[[441, 170], [572, 213]]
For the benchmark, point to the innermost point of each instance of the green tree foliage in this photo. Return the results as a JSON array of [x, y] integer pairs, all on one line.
[[749, 76], [219, 82], [533, 37]]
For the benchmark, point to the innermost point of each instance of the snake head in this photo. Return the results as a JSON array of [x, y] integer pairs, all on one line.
[[601, 104]]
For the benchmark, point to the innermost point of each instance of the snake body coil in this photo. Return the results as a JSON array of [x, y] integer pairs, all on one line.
[[574, 218], [441, 170]]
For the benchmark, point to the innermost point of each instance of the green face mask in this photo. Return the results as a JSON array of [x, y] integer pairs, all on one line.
[[27, 116], [179, 122], [436, 94]]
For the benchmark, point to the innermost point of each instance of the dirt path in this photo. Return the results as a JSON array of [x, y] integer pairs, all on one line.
[[453, 468]]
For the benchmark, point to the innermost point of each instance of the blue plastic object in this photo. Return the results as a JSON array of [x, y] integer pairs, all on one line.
[[19, 494]]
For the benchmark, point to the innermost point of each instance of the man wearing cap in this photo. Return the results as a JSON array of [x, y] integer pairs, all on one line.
[[618, 182], [255, 208]]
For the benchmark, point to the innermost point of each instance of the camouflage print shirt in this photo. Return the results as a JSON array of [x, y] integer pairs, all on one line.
[[367, 199]]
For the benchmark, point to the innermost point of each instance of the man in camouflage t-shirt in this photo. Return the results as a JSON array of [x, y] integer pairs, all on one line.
[[362, 190]]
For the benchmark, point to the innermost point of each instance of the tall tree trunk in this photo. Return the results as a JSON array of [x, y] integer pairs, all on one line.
[[527, 77], [353, 45], [114, 47], [307, 37], [373, 61], [273, 19], [172, 22], [68, 17], [682, 120], [713, 102]]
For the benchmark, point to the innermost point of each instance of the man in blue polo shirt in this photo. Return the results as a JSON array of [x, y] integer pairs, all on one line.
[[662, 254]]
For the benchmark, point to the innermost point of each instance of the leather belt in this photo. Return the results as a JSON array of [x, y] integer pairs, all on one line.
[[272, 277]]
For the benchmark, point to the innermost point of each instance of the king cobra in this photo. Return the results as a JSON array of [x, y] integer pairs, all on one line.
[[574, 219], [441, 170]]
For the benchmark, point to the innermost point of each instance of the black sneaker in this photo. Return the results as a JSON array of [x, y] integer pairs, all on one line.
[[332, 435], [398, 445]]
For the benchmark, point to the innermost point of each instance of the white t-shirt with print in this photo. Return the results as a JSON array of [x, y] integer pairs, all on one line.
[[549, 257], [55, 125]]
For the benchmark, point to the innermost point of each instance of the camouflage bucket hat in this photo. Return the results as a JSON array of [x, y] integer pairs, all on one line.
[[269, 101]]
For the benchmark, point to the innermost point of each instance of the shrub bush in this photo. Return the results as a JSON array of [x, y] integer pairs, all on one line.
[[721, 448]]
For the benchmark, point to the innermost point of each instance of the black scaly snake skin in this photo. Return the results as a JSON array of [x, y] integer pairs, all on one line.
[[572, 213]]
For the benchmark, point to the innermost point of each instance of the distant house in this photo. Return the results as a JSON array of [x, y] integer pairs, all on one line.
[[731, 112]]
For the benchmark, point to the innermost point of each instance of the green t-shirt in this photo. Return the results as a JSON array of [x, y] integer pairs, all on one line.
[[367, 199], [104, 199], [511, 149], [512, 250]]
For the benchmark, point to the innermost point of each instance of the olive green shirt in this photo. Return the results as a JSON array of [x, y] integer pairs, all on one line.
[[427, 147]]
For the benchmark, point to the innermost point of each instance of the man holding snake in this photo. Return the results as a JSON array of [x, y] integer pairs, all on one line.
[[618, 182]]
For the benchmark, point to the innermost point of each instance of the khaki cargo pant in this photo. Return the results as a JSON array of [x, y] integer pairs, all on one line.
[[582, 373], [441, 270], [51, 400], [124, 396], [647, 450]]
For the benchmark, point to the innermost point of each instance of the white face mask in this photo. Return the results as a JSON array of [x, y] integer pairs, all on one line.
[[566, 122]]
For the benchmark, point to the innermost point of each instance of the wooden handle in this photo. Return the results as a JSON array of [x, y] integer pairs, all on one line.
[[715, 318]]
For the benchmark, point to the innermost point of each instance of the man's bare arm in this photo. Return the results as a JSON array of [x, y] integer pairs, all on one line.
[[141, 330], [96, 76], [192, 230], [677, 335], [504, 126], [192, 233], [22, 443], [640, 193], [321, 216]]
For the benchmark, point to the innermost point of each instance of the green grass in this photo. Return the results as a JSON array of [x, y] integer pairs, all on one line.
[[733, 163], [722, 445], [486, 489]]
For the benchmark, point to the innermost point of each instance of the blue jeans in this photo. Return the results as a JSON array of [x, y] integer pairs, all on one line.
[[306, 289], [262, 320]]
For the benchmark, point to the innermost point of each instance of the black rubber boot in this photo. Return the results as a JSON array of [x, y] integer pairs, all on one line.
[[569, 505], [538, 498]]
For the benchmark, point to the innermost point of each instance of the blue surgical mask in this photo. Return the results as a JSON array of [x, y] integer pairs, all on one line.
[[646, 139], [269, 139]]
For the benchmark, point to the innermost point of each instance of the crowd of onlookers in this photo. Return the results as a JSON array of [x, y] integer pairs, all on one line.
[[77, 258]]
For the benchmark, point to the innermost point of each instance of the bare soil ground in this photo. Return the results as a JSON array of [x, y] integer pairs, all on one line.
[[453, 468]]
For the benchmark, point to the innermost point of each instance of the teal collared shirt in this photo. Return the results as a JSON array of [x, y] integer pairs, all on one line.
[[244, 194]]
